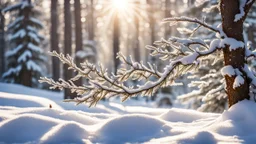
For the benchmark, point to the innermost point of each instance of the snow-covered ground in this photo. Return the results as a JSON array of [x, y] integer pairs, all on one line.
[[25, 117]]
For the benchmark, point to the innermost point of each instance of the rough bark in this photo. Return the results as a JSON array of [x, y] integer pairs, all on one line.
[[116, 41], [78, 32], [67, 45], [54, 39], [235, 58]]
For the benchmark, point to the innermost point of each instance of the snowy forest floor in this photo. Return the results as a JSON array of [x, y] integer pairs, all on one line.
[[25, 117]]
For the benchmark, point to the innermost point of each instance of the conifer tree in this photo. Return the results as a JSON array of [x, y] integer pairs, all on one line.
[[25, 56], [3, 4]]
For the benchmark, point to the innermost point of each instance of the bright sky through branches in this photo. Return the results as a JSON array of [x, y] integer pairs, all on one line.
[[120, 4]]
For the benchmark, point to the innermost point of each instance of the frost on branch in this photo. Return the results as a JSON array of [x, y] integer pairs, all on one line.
[[103, 85], [183, 55]]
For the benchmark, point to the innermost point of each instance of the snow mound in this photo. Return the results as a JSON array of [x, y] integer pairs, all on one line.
[[28, 119], [7, 99], [69, 132], [186, 116], [203, 137], [238, 121], [132, 128], [25, 128], [63, 115]]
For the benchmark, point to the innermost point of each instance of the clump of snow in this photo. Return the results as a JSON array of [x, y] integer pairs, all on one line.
[[228, 70], [23, 57], [215, 44], [31, 65], [190, 58], [239, 80], [12, 71], [233, 43], [242, 4], [14, 51], [19, 34], [34, 48]]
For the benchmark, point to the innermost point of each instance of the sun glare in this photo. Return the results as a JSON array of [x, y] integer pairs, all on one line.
[[120, 4]]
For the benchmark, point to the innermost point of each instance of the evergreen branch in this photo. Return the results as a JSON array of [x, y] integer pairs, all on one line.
[[100, 85], [186, 19]]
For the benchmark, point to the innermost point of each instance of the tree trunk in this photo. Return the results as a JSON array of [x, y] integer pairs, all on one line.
[[78, 31], [151, 20], [91, 22], [235, 58], [136, 48], [167, 32], [116, 41], [26, 75], [2, 44], [26, 78], [252, 35], [54, 39], [67, 45]]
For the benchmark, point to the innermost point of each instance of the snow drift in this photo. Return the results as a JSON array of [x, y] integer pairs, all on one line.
[[28, 119]]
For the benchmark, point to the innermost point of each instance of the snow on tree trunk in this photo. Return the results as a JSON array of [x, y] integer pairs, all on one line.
[[54, 39], [234, 57]]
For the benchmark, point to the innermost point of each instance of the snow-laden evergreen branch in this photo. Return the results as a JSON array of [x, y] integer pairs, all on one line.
[[191, 20], [101, 85]]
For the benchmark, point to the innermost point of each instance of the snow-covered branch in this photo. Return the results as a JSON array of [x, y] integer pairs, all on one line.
[[195, 20], [101, 85]]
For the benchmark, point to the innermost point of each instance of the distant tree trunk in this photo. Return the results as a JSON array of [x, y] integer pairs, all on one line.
[[67, 45], [55, 39], [116, 41], [167, 32], [152, 28], [26, 75], [78, 31], [2, 43], [136, 48], [252, 35], [235, 58], [91, 22], [151, 20]]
